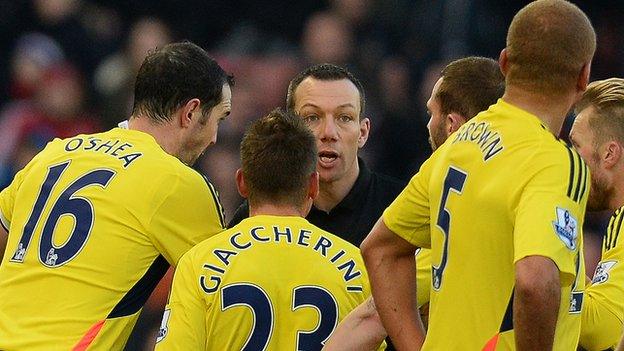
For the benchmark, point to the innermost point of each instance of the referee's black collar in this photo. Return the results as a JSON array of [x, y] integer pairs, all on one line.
[[359, 188]]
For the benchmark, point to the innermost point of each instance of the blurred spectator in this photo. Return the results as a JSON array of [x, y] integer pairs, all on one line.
[[114, 78], [399, 130], [56, 110], [327, 38], [33, 54]]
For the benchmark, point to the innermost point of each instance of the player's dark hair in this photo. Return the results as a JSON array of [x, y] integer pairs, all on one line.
[[171, 76], [278, 155], [470, 85], [324, 72]]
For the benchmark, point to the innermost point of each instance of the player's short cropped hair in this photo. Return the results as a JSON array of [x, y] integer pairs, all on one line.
[[548, 43], [470, 85], [171, 76], [607, 99], [278, 155], [323, 72]]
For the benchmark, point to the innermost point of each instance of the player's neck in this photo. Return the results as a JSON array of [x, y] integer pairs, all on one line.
[[331, 193], [161, 133], [268, 209], [617, 198], [551, 110]]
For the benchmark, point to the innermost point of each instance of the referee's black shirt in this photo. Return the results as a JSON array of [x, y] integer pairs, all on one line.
[[353, 217]]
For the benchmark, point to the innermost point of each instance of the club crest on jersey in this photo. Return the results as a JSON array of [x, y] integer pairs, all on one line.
[[566, 228], [164, 328], [602, 271]]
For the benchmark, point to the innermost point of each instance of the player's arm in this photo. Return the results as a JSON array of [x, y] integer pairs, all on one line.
[[390, 264], [547, 246], [360, 330], [4, 236], [621, 345], [536, 303], [189, 212], [603, 304], [183, 326]]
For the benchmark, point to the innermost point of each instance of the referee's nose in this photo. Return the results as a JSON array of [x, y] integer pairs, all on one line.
[[329, 129]]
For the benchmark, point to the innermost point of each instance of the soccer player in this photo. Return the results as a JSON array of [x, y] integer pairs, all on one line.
[[332, 103], [598, 136], [94, 221], [501, 204], [466, 87], [274, 281]]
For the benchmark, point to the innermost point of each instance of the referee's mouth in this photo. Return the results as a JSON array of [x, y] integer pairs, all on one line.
[[327, 158]]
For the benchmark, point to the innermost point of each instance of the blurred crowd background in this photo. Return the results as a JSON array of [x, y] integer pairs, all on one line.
[[68, 66]]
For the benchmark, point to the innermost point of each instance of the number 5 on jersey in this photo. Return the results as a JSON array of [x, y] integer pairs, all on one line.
[[454, 181]]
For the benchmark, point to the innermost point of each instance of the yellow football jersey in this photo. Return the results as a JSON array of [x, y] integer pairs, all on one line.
[[94, 222], [423, 276], [500, 189], [268, 283], [603, 309]]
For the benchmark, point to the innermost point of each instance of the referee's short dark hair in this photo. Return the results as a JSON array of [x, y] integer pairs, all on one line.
[[324, 72], [278, 156], [171, 76]]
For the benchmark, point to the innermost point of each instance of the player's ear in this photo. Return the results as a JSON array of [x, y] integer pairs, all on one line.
[[453, 122], [240, 184], [364, 130], [503, 62], [313, 185], [583, 78], [612, 154], [188, 111]]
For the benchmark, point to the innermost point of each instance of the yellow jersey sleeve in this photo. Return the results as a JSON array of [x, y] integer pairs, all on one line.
[[603, 309], [188, 214], [8, 195], [408, 216], [549, 216], [183, 326]]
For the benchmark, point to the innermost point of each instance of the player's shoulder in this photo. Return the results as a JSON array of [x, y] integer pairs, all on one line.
[[205, 247], [612, 243]]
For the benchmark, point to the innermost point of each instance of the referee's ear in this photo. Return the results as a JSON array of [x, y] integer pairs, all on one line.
[[240, 184]]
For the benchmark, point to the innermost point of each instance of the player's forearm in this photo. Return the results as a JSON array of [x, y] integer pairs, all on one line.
[[392, 273], [621, 345], [360, 330], [536, 303], [3, 242]]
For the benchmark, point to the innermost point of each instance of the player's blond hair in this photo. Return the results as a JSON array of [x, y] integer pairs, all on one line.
[[607, 99], [548, 43]]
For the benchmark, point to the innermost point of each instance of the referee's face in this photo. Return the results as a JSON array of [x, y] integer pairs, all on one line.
[[332, 111]]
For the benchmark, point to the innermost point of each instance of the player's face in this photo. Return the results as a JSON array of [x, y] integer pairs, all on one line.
[[332, 111], [583, 140], [437, 121], [205, 129]]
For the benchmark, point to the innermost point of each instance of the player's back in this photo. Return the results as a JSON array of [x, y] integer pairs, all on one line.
[[500, 189], [271, 283], [83, 254]]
